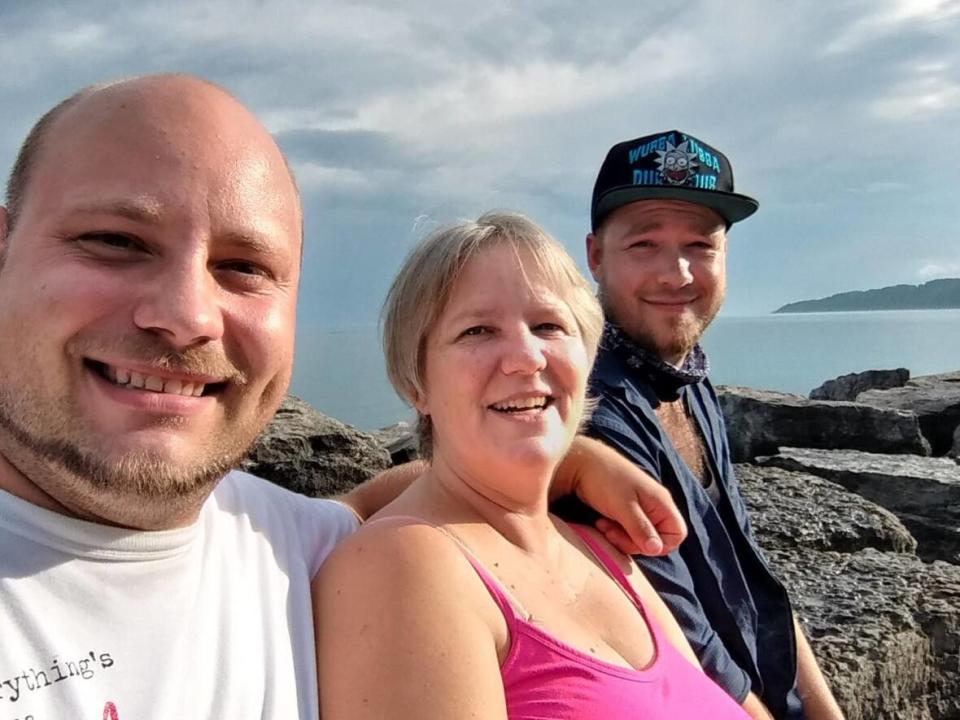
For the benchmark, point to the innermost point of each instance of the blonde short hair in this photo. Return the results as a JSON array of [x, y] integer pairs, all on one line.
[[422, 288]]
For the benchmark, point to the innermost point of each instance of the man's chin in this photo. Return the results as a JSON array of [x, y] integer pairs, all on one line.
[[670, 344]]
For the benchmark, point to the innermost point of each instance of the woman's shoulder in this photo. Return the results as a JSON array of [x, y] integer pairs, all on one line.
[[393, 554]]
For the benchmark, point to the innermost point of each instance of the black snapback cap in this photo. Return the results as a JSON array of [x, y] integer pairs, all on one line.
[[670, 165]]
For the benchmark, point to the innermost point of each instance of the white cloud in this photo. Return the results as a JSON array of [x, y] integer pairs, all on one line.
[[889, 17], [317, 178], [827, 110], [920, 98], [878, 187], [83, 36], [931, 270]]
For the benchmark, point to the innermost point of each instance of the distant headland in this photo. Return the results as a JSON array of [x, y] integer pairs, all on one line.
[[933, 295]]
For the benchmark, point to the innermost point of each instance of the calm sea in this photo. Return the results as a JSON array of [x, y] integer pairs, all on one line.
[[340, 372]]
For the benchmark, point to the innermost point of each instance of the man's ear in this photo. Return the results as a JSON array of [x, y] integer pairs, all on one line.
[[594, 255], [4, 231]]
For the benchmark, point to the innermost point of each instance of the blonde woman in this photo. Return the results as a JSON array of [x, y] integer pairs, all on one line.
[[466, 598]]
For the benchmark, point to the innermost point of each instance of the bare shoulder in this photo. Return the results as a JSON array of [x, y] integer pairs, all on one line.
[[392, 558], [385, 602]]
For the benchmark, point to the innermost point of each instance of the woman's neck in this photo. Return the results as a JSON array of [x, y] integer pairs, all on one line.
[[516, 507]]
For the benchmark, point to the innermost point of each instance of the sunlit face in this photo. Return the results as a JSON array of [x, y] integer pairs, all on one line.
[[506, 371], [148, 300], [661, 268]]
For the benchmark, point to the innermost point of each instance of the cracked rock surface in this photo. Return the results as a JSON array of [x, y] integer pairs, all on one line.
[[760, 421], [923, 492], [884, 625], [314, 454]]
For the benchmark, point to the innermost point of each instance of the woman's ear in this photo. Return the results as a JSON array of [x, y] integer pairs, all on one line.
[[419, 402]]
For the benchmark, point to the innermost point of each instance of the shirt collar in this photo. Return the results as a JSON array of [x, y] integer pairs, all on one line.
[[666, 380]]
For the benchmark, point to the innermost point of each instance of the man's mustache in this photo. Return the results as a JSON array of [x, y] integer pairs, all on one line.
[[152, 351]]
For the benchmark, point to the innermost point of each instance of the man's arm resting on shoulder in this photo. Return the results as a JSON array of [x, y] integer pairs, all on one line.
[[818, 700], [640, 516]]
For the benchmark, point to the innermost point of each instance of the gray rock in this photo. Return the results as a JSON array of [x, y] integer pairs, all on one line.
[[847, 387], [950, 378], [885, 627], [760, 421], [935, 399], [400, 440], [923, 492], [955, 450], [311, 453], [793, 509]]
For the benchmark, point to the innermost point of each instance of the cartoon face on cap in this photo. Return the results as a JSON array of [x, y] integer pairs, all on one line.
[[676, 164]]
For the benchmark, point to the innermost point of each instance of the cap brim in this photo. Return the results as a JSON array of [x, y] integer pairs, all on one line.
[[732, 207]]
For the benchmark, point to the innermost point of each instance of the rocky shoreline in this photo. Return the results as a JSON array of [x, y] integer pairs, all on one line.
[[854, 495]]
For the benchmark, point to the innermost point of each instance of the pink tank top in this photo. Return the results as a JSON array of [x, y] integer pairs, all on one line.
[[546, 679]]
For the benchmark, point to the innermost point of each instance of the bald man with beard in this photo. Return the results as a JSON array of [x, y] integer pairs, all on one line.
[[149, 263]]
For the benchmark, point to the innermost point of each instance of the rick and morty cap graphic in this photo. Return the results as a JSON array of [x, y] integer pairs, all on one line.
[[669, 165]]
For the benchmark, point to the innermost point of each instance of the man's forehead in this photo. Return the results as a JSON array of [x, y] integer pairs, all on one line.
[[140, 149], [656, 214]]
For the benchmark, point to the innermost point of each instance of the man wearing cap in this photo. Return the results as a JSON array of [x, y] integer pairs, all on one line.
[[662, 205]]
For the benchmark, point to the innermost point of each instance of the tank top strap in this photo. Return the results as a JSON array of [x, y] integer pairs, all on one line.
[[511, 608], [609, 564]]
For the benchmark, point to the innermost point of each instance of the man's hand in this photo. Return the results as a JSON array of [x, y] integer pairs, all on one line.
[[639, 514]]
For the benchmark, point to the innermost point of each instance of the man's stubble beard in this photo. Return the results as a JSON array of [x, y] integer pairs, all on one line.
[[43, 437], [685, 336], [132, 488]]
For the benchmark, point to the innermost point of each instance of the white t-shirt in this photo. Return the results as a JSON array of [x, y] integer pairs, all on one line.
[[209, 621]]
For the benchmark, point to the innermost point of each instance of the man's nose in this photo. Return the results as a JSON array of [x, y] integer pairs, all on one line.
[[523, 353], [181, 302], [674, 271]]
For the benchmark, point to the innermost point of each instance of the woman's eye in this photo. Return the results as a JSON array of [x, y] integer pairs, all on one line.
[[550, 327], [475, 331]]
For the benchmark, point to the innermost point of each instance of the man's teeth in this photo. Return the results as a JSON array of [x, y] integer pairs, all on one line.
[[151, 382], [531, 403]]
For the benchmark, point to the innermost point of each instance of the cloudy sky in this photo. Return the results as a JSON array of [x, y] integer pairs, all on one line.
[[841, 118]]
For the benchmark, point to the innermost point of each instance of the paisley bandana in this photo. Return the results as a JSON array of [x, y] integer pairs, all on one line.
[[665, 379]]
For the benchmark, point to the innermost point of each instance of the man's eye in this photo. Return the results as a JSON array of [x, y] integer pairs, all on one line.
[[111, 240], [245, 267]]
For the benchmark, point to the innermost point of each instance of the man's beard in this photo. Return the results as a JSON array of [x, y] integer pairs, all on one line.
[[133, 474], [675, 343], [46, 438]]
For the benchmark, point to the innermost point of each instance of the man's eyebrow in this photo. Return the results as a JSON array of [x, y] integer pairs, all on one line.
[[644, 227], [141, 211], [254, 242]]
